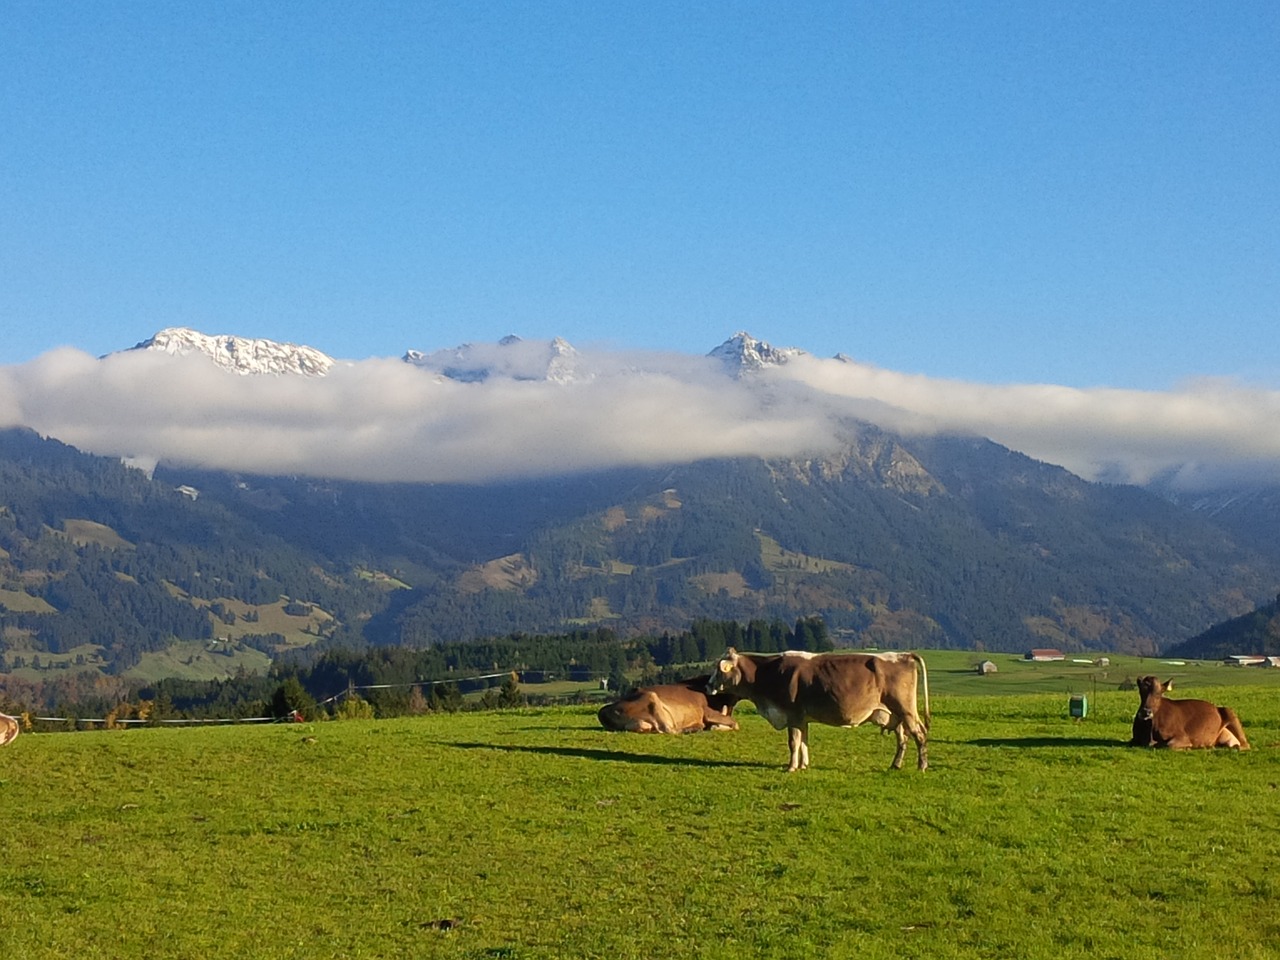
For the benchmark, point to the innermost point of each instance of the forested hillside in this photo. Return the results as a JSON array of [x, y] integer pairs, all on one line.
[[896, 542], [99, 564], [1256, 632]]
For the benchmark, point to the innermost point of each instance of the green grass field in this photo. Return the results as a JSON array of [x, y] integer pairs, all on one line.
[[534, 833]]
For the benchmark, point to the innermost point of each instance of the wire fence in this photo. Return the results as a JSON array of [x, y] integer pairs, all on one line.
[[295, 717]]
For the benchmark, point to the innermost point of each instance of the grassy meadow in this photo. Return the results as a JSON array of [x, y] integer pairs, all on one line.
[[535, 833]]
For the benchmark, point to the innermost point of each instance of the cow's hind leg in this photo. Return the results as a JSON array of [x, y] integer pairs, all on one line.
[[1233, 731], [1227, 739], [920, 735], [646, 715], [662, 716], [899, 730], [907, 723]]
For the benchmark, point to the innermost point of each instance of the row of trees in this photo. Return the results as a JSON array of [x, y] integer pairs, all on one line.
[[393, 681]]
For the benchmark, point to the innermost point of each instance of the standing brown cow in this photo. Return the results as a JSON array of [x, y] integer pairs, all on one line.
[[9, 729], [838, 689], [682, 707], [1183, 724]]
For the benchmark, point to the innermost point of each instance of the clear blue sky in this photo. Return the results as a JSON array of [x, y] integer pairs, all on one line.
[[1081, 194]]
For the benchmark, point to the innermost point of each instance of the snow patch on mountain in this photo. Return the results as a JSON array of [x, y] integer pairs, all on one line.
[[241, 355]]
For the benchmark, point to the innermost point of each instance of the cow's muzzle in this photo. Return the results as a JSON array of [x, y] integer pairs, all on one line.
[[1146, 713]]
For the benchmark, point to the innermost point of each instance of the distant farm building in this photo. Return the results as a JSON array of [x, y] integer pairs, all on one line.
[[1252, 660], [1045, 655], [985, 667]]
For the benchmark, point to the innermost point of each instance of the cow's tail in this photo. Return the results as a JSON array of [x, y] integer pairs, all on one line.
[[924, 681], [1233, 724]]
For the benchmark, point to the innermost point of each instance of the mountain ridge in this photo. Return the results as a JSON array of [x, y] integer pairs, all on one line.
[[894, 539], [554, 360]]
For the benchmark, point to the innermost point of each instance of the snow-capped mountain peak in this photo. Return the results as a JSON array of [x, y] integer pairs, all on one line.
[[240, 354], [552, 360], [743, 352], [510, 358]]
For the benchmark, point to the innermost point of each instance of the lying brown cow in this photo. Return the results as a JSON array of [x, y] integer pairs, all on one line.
[[839, 689], [9, 729], [682, 707], [1183, 724]]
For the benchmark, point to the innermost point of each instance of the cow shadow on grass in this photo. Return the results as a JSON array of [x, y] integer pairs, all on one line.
[[616, 756], [1046, 742]]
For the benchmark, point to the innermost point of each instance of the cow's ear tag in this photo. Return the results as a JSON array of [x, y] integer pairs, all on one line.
[[726, 666]]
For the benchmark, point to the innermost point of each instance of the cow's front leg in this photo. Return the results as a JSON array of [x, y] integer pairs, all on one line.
[[716, 720], [798, 740]]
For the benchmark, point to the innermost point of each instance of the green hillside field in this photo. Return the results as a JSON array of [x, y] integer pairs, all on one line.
[[534, 833]]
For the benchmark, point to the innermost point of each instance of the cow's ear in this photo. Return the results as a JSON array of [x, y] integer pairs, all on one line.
[[725, 666]]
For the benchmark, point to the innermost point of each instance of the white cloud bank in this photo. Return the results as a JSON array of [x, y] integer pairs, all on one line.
[[387, 420]]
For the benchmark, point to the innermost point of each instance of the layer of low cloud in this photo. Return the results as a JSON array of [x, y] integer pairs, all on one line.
[[387, 420], [1207, 432]]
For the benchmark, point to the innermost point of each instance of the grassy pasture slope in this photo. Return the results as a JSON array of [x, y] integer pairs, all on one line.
[[534, 833], [951, 672]]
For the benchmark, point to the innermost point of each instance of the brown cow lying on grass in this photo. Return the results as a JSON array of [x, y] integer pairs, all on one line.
[[682, 707], [9, 729], [1183, 724]]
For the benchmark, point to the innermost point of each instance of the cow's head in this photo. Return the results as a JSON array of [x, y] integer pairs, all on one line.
[[726, 674], [1152, 691]]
